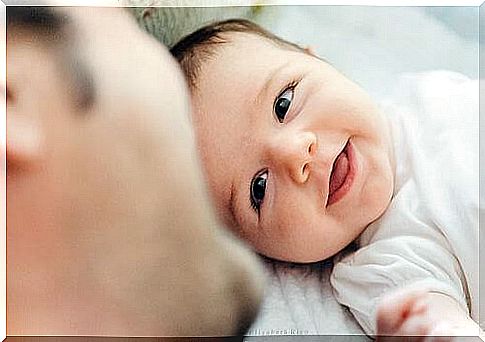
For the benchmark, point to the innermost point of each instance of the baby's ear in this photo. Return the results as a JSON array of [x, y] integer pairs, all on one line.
[[23, 138], [309, 50]]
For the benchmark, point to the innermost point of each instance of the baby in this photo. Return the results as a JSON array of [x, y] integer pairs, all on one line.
[[300, 163]]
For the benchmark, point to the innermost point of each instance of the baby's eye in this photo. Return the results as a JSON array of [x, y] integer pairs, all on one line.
[[258, 190], [283, 102]]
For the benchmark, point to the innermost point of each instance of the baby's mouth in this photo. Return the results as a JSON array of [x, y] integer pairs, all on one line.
[[338, 177]]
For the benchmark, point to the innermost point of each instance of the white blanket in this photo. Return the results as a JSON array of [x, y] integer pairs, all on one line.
[[299, 301]]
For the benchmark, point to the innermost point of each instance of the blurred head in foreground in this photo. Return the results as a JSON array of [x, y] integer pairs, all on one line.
[[109, 228]]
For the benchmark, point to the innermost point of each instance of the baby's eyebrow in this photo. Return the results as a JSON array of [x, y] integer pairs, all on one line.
[[232, 206], [268, 82]]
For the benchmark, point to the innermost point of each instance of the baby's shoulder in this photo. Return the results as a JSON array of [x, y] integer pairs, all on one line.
[[434, 119], [437, 99]]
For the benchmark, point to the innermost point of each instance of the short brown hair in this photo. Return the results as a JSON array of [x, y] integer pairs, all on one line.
[[49, 26], [197, 47]]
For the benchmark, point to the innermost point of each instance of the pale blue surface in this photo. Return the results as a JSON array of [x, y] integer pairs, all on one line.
[[372, 45]]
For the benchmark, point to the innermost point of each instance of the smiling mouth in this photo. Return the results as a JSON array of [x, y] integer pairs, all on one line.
[[342, 174]]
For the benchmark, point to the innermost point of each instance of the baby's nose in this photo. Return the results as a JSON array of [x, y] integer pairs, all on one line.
[[294, 153]]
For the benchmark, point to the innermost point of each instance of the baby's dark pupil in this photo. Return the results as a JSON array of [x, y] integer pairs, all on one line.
[[281, 108], [259, 188]]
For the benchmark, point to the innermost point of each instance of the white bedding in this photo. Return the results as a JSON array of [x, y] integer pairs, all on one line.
[[299, 301]]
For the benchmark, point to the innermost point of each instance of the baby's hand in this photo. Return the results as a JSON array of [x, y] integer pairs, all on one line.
[[426, 315]]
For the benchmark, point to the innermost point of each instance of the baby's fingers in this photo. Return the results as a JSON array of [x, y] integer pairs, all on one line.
[[394, 310], [415, 329], [416, 325]]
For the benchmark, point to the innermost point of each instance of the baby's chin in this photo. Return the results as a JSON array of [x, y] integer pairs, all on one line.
[[301, 255], [303, 259]]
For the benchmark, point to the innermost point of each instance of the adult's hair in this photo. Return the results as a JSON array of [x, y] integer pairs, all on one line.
[[199, 46], [47, 23], [48, 26]]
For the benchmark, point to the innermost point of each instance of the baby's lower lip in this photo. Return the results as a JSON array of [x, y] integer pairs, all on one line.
[[337, 194]]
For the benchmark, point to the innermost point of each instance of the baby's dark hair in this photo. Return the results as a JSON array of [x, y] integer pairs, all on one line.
[[199, 46]]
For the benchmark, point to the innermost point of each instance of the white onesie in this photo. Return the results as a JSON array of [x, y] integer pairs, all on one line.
[[428, 237]]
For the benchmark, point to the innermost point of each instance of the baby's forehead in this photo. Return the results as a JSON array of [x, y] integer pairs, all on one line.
[[228, 59], [260, 41]]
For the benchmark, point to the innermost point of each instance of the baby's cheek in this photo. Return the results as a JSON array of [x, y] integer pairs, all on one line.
[[270, 239]]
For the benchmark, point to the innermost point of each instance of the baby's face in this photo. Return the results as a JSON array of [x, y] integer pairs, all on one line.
[[298, 158]]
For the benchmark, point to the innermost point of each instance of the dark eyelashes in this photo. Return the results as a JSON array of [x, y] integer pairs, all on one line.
[[289, 86], [254, 205], [282, 103]]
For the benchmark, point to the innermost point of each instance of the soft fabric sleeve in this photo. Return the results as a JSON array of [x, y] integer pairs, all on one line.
[[360, 280]]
